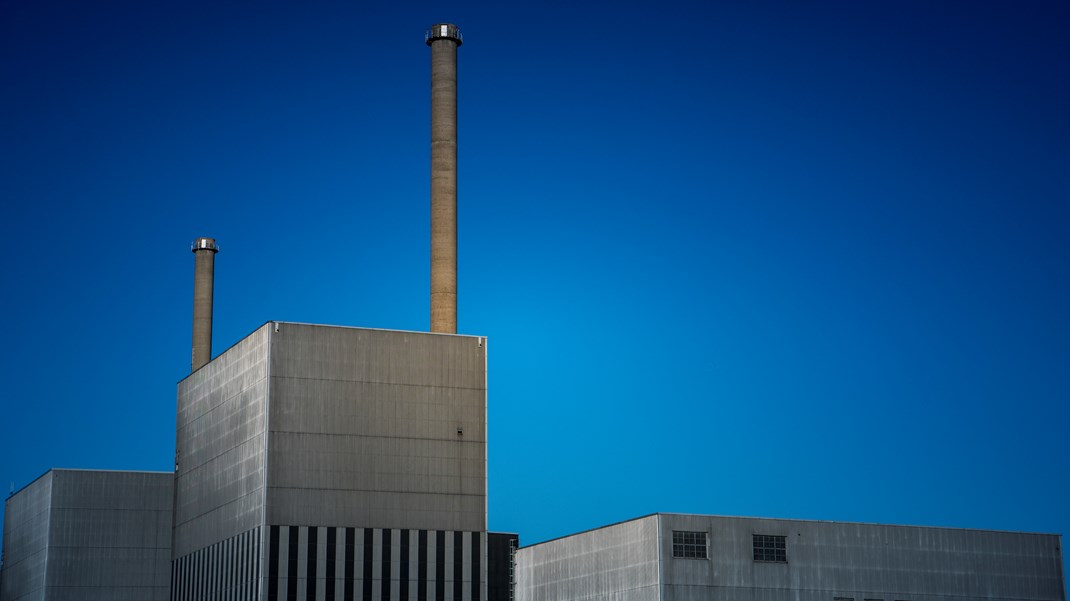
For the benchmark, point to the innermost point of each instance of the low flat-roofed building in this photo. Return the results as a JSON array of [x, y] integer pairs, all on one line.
[[674, 557], [89, 534]]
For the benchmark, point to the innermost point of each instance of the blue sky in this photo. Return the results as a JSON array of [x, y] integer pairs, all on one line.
[[802, 260]]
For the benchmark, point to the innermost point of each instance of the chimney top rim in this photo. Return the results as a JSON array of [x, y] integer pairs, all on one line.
[[443, 31], [204, 244]]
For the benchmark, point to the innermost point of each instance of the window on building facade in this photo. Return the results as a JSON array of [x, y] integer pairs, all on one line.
[[770, 548], [691, 545]]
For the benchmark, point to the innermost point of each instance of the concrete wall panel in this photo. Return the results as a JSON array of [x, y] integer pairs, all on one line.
[[826, 560], [26, 523], [101, 535], [108, 532], [615, 563], [377, 429], [220, 446]]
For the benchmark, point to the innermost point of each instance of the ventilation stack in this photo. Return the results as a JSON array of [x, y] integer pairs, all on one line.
[[204, 249], [443, 38]]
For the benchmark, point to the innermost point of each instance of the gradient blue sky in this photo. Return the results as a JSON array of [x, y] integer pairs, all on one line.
[[786, 259]]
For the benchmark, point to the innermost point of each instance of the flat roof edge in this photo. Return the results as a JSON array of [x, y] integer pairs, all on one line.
[[743, 517], [29, 484], [564, 536], [320, 325], [323, 325], [78, 469], [809, 521]]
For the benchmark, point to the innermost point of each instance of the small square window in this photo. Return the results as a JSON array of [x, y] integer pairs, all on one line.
[[771, 548], [689, 545]]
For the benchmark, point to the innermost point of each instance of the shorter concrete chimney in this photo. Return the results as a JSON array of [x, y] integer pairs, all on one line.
[[204, 249]]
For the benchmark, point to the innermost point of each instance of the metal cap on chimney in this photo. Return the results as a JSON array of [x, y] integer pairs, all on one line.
[[204, 244], [443, 31], [204, 249]]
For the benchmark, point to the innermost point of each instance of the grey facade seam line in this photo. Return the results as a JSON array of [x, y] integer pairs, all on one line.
[[661, 564], [265, 528]]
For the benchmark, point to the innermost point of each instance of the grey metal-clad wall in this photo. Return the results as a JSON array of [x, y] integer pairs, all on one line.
[[377, 429], [110, 535], [219, 448], [86, 534], [26, 522], [614, 563], [826, 560]]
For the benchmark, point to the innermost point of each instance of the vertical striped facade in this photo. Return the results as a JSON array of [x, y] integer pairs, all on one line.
[[226, 571], [310, 563]]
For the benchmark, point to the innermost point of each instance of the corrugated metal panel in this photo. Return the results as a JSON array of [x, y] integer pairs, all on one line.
[[109, 532], [826, 560], [615, 563], [346, 427], [220, 450], [377, 429], [106, 535], [26, 521]]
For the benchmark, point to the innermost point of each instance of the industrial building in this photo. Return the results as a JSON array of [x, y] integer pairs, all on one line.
[[88, 534], [343, 461], [321, 463], [674, 557]]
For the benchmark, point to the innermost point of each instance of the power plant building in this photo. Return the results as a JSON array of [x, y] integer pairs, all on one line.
[[674, 557], [88, 534], [345, 462], [326, 463]]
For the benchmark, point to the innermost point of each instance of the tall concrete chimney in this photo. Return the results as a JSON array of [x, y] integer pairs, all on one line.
[[443, 38], [204, 249]]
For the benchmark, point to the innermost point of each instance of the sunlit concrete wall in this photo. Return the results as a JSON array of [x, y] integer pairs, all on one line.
[[830, 560], [614, 563], [824, 561], [220, 446], [377, 428], [307, 433]]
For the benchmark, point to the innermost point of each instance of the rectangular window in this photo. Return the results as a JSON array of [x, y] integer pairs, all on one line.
[[770, 548], [690, 545]]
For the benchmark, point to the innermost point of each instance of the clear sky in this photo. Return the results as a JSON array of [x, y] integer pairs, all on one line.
[[786, 259]]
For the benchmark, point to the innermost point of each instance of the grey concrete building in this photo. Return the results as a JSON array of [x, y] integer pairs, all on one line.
[[672, 557], [88, 535], [319, 462]]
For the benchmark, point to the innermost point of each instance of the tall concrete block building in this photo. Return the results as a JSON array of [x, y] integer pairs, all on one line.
[[318, 462], [82, 534], [672, 557]]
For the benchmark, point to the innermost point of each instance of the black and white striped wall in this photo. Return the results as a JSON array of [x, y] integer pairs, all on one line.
[[226, 571], [310, 563]]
